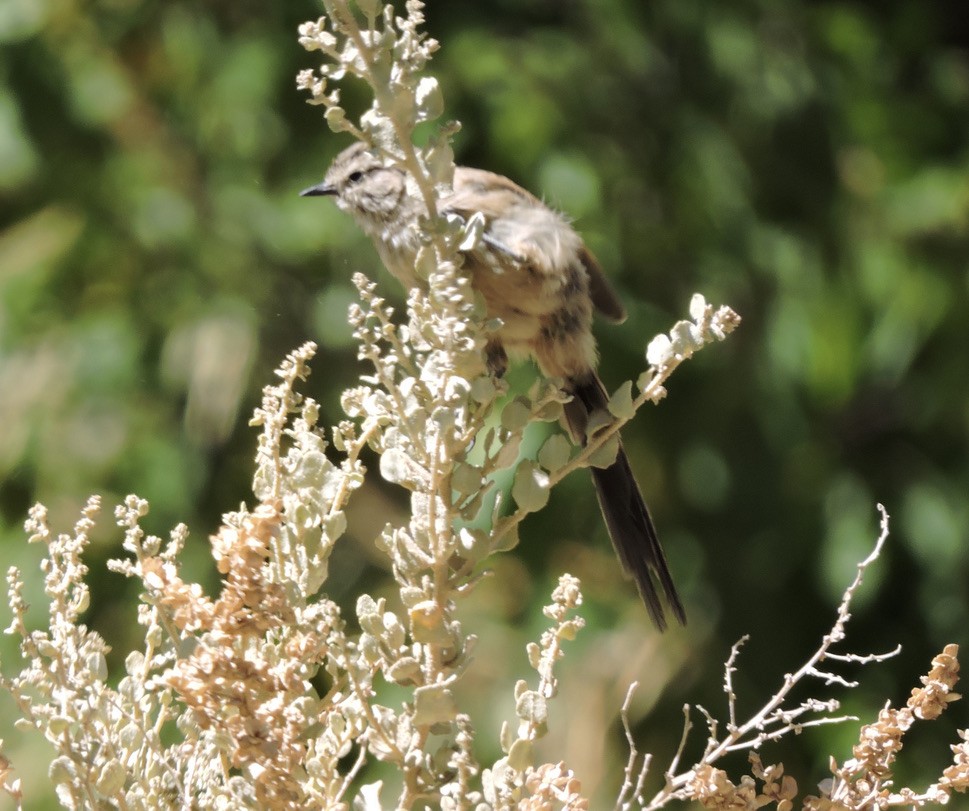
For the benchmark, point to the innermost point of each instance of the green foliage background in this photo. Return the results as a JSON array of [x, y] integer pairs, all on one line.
[[805, 162]]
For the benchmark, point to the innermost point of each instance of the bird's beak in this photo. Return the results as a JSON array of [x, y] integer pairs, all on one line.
[[319, 190]]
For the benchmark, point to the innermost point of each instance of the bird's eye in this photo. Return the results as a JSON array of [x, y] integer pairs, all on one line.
[[354, 177]]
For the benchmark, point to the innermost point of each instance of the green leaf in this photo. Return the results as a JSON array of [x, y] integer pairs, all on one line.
[[430, 102], [472, 232], [621, 403], [336, 119], [686, 337], [598, 420], [406, 670], [659, 352], [530, 489], [482, 389], [397, 467], [433, 704], [439, 158], [550, 412], [555, 453], [516, 415], [533, 707], [466, 478], [520, 756], [568, 630], [508, 452], [366, 606], [508, 541], [334, 526], [504, 737], [606, 455]]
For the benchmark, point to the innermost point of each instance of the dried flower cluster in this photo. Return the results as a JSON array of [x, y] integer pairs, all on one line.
[[712, 788], [866, 780], [513, 782], [265, 696], [862, 783], [259, 697]]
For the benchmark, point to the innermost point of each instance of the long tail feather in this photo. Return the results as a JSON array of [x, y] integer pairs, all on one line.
[[626, 515]]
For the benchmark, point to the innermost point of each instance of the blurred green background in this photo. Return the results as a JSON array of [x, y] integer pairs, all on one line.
[[805, 162]]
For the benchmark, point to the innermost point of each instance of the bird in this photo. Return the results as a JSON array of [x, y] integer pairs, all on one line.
[[537, 276]]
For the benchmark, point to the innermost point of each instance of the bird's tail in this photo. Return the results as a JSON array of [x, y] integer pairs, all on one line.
[[627, 518]]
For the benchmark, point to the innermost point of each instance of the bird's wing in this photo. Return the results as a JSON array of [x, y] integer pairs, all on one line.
[[476, 190]]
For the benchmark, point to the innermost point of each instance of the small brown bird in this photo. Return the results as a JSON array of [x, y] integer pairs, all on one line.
[[536, 275]]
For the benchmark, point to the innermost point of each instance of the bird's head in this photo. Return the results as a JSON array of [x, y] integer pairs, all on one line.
[[362, 185]]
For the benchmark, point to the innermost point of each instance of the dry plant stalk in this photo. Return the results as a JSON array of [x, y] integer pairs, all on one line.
[[263, 696], [270, 700], [861, 783]]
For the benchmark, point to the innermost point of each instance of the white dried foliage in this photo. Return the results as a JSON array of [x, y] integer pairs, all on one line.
[[262, 696]]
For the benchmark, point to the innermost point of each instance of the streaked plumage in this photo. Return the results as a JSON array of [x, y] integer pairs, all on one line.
[[536, 275]]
